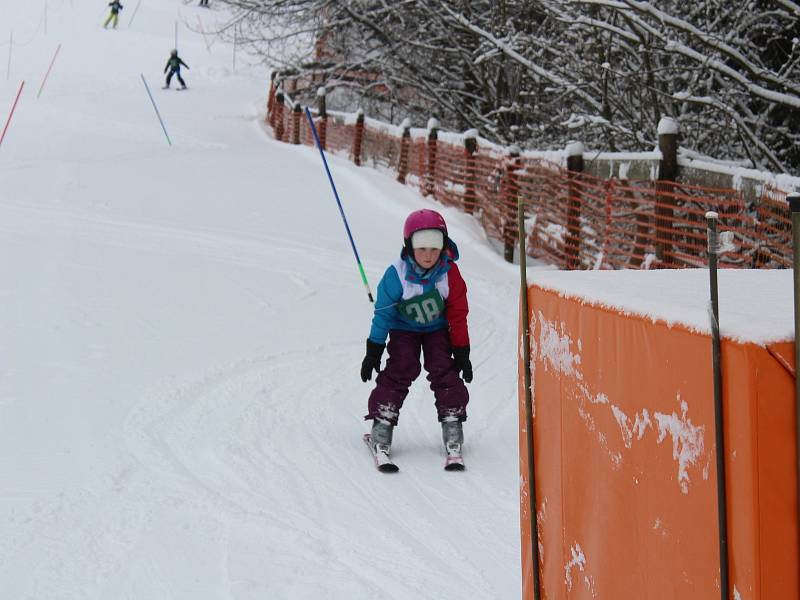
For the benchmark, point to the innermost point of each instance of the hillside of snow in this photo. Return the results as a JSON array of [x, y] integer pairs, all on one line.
[[181, 335]]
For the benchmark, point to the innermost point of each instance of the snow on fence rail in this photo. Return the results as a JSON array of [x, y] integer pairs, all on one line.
[[575, 220]]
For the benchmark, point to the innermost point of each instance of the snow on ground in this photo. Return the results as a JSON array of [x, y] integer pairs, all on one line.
[[180, 340]]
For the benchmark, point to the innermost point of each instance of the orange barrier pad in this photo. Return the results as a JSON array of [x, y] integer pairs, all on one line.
[[625, 464]]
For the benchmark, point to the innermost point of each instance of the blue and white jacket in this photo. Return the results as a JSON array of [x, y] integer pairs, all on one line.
[[415, 300]]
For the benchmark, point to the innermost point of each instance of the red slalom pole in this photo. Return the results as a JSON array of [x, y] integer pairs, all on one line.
[[11, 114], [46, 75]]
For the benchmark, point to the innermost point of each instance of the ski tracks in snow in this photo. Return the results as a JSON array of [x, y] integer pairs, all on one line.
[[262, 442]]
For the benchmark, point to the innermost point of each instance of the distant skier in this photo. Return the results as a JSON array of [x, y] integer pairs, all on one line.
[[114, 14], [421, 305], [174, 63]]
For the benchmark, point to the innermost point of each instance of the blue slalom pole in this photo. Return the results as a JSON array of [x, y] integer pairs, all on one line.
[[339, 203], [160, 120]]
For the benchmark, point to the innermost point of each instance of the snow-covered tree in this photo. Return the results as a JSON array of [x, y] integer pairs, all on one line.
[[541, 72]]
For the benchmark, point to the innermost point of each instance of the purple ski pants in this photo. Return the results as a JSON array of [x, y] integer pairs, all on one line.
[[403, 367]]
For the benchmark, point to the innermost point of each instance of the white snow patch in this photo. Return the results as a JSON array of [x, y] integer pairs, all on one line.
[[574, 149], [578, 560], [687, 441], [554, 347], [668, 126]]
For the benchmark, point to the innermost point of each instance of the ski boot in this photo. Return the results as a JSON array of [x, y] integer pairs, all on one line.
[[453, 438], [382, 435], [380, 444]]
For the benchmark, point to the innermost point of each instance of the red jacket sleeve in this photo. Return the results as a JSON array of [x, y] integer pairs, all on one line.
[[456, 307]]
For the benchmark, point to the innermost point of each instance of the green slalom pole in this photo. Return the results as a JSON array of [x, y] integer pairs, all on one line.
[[341, 210]]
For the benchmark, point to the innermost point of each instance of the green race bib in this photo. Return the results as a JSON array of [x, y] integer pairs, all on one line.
[[423, 309]]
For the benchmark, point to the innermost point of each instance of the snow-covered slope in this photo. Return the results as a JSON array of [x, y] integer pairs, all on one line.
[[181, 330]]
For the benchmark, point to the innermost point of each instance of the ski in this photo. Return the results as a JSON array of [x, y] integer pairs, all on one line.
[[383, 463], [454, 461]]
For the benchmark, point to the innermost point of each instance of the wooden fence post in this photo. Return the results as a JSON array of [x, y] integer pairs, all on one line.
[[470, 147], [296, 123], [572, 245], [430, 171], [322, 127], [271, 96], [508, 199], [667, 174], [405, 143], [278, 112], [358, 137]]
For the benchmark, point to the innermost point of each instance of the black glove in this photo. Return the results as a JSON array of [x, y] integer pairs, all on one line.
[[372, 361], [463, 366]]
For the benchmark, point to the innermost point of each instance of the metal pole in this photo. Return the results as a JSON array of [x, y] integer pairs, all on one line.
[[11, 114], [339, 202], [135, 10], [526, 361], [46, 75], [160, 120], [234, 48], [794, 205], [722, 504]]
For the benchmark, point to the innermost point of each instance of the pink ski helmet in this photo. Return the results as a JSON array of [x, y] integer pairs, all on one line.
[[419, 220], [423, 219]]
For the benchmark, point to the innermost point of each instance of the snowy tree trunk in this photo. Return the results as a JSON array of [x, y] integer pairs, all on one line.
[[572, 245], [358, 138], [278, 117], [405, 144], [296, 123], [322, 128], [430, 171], [509, 196], [470, 197], [271, 97], [667, 173]]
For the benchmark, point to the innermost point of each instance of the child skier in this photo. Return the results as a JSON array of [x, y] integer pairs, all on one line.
[[114, 14], [421, 305], [174, 63]]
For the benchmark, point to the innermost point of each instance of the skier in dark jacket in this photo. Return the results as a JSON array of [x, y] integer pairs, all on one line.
[[174, 67], [114, 14]]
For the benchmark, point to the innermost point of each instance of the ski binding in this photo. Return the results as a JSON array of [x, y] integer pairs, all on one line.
[[454, 460], [383, 463]]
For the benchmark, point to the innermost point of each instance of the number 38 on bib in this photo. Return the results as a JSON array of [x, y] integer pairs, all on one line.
[[423, 309]]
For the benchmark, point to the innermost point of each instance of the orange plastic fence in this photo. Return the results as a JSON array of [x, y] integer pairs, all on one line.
[[625, 466], [575, 221]]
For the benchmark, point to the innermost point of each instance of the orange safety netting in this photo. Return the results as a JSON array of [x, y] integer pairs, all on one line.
[[573, 220]]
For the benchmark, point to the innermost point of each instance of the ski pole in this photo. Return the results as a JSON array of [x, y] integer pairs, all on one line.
[[339, 203], [526, 361], [722, 505], [11, 114], [135, 10], [160, 120], [794, 207], [46, 75]]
